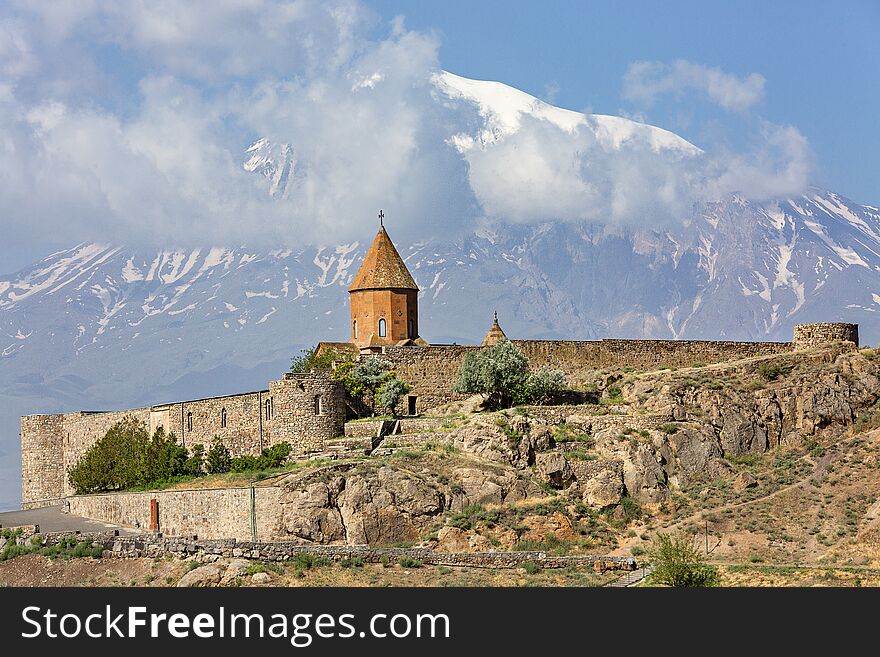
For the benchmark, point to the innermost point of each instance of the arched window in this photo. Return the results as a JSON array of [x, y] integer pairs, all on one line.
[[317, 404], [381, 328], [412, 330], [269, 409], [222, 418], [189, 421], [354, 329]]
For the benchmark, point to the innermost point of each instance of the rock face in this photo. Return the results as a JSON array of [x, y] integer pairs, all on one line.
[[553, 469], [393, 502]]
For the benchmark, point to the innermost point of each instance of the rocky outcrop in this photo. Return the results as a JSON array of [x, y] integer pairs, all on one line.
[[392, 502]]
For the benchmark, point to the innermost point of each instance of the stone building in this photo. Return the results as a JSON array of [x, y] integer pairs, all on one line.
[[308, 409], [384, 298]]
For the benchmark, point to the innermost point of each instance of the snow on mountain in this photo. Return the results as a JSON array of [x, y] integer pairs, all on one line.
[[101, 325], [503, 108]]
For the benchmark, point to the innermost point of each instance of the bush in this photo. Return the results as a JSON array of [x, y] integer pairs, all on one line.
[[677, 562], [409, 562], [218, 460], [772, 371], [309, 361], [669, 427], [543, 385], [531, 567], [193, 465]]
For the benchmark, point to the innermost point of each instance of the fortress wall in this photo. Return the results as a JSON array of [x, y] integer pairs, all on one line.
[[42, 458], [807, 336], [211, 513], [241, 435], [652, 354], [296, 419], [431, 371], [82, 430]]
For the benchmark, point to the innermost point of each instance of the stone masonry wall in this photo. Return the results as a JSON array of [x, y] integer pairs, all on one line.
[[297, 419], [432, 371], [210, 513], [52, 444], [807, 336], [42, 458]]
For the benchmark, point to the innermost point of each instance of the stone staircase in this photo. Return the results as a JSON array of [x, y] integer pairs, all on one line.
[[631, 578]]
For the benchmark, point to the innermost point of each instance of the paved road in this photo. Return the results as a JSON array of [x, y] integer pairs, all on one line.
[[52, 519]]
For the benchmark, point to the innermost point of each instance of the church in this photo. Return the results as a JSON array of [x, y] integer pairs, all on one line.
[[310, 410]]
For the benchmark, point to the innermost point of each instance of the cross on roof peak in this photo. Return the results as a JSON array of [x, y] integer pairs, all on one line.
[[381, 218]]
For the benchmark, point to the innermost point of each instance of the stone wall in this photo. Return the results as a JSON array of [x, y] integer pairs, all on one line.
[[52, 444], [211, 513], [307, 409], [42, 458], [151, 545], [807, 336], [432, 371]]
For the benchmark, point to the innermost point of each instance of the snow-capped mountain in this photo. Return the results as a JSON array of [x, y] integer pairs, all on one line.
[[115, 326]]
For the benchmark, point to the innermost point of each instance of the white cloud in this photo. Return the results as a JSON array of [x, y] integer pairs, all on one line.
[[155, 152], [644, 81]]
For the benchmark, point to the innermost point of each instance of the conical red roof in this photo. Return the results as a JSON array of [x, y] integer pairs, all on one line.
[[383, 268]]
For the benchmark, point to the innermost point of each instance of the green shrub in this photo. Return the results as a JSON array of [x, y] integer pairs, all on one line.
[[632, 510], [772, 371], [500, 373], [409, 562], [193, 465], [678, 562], [353, 562], [669, 427], [531, 567]]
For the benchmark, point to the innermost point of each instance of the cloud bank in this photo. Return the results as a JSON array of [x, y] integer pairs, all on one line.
[[128, 122]]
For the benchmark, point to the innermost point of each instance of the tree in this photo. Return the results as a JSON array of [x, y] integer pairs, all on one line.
[[543, 385], [498, 373], [678, 562], [309, 360], [370, 374], [193, 465], [390, 392], [218, 459]]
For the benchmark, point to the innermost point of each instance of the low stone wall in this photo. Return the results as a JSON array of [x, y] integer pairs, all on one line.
[[153, 545], [419, 424], [211, 513], [366, 429]]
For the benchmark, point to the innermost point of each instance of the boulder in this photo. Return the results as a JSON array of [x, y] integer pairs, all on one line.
[[455, 540], [236, 568], [209, 575], [261, 578], [743, 481], [553, 469], [601, 483]]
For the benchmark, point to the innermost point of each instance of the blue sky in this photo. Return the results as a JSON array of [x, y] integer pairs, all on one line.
[[821, 61], [127, 122]]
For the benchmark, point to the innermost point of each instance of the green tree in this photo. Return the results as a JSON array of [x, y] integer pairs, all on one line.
[[678, 562], [499, 373], [218, 459], [369, 374], [116, 461], [390, 392], [193, 465], [309, 360]]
